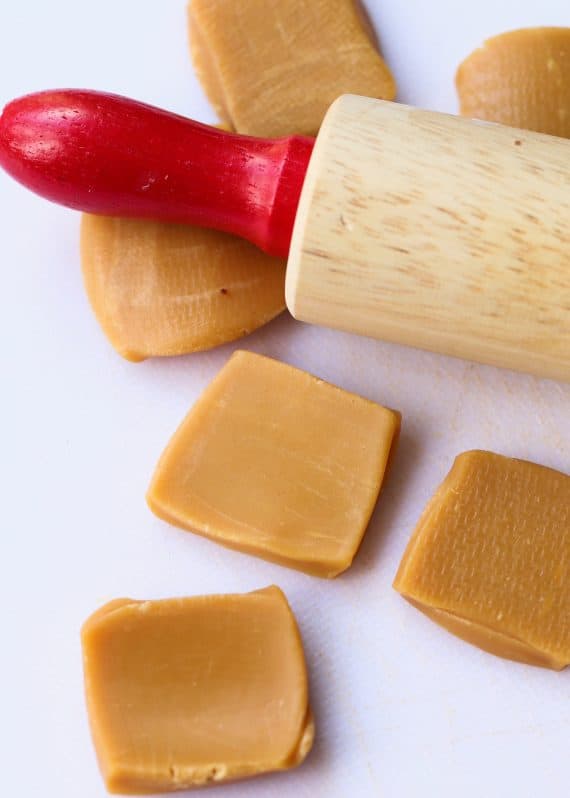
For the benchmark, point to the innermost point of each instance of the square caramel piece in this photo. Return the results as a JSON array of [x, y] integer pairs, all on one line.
[[490, 558], [186, 692], [272, 68], [277, 463]]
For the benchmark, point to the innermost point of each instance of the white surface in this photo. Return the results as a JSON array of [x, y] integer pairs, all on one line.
[[403, 709]]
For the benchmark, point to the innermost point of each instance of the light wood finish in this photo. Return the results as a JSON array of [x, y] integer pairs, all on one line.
[[437, 232]]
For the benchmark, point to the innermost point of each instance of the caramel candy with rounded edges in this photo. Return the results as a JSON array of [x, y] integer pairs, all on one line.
[[186, 692], [490, 558], [167, 289], [277, 463], [520, 78]]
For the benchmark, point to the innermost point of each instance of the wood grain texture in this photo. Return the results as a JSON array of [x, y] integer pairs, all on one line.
[[437, 232]]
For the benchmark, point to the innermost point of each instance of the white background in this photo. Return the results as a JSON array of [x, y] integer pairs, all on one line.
[[403, 709]]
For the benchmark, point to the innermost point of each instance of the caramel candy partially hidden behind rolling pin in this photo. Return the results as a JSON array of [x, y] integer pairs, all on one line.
[[168, 289], [273, 68], [411, 226], [519, 78]]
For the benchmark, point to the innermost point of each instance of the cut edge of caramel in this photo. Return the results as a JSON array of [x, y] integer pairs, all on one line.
[[312, 566], [487, 639], [120, 781]]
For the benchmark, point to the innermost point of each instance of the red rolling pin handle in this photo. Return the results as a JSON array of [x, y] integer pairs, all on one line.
[[106, 154]]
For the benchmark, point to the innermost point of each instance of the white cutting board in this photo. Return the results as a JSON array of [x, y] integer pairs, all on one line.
[[403, 709]]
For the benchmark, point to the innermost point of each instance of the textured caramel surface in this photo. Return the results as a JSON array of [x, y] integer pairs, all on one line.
[[520, 78], [275, 462], [490, 558], [190, 691], [165, 289], [272, 68]]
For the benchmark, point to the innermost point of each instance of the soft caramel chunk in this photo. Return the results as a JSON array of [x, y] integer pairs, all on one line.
[[520, 78], [272, 68], [184, 692], [165, 289], [277, 463], [490, 558]]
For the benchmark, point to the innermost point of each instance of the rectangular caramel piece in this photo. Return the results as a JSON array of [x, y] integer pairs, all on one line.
[[277, 463], [272, 68], [186, 692], [490, 558]]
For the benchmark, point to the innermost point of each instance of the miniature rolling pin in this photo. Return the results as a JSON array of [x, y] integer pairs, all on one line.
[[405, 225]]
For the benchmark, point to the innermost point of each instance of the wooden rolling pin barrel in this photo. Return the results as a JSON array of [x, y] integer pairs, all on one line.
[[401, 224]]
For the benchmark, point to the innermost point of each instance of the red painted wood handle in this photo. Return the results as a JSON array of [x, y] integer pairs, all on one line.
[[106, 154]]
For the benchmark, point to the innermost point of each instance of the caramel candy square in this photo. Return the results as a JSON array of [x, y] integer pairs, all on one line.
[[277, 463], [490, 558], [186, 692]]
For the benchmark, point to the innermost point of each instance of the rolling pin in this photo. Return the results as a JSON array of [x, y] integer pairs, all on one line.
[[411, 226]]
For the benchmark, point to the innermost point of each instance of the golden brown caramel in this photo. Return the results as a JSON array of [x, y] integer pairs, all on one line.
[[490, 558]]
